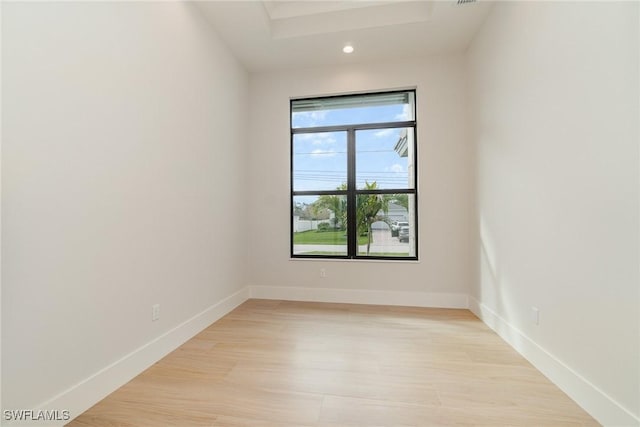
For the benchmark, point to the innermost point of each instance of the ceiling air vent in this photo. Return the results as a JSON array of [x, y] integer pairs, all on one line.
[[463, 2]]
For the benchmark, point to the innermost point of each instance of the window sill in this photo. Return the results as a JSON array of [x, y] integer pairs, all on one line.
[[393, 261]]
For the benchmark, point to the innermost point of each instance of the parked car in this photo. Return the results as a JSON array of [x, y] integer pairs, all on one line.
[[395, 227], [403, 234]]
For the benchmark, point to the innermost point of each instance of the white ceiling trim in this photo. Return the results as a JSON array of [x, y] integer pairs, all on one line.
[[282, 9], [374, 15], [284, 34]]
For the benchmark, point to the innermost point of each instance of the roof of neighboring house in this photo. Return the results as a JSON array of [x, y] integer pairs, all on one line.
[[401, 146], [396, 207]]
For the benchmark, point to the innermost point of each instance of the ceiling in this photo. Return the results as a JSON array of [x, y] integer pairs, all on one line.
[[283, 34]]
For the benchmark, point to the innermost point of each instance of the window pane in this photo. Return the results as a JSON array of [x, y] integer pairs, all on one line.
[[319, 161], [357, 149], [353, 109], [386, 225], [385, 159], [319, 225]]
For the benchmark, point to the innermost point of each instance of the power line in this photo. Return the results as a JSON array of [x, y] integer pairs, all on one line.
[[322, 153], [345, 172]]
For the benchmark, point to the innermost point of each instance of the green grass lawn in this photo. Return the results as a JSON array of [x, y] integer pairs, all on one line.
[[314, 237], [394, 254]]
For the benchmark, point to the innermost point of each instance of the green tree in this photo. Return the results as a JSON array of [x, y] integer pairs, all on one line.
[[368, 207], [337, 205], [302, 210], [318, 212], [401, 199]]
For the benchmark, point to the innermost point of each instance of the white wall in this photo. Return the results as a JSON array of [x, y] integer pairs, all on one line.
[[124, 129], [445, 186], [554, 90], [123, 134]]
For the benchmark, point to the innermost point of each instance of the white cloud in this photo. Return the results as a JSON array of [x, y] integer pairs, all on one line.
[[384, 133], [397, 168], [406, 113], [326, 141], [309, 118], [317, 115], [317, 138]]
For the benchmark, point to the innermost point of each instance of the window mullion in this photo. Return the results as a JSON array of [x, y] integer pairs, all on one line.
[[352, 229]]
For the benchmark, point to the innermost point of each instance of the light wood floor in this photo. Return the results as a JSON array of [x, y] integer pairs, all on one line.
[[281, 363]]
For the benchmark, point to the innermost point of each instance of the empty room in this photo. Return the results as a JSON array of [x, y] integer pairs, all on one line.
[[320, 213]]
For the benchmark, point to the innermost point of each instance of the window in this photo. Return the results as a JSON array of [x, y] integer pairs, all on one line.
[[353, 176]]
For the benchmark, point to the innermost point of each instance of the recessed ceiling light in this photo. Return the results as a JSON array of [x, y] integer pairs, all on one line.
[[347, 48]]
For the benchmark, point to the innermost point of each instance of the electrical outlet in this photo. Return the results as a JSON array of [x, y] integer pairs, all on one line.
[[535, 315], [155, 312], [323, 273]]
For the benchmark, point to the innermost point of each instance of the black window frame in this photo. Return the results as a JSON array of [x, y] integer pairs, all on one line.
[[352, 192]]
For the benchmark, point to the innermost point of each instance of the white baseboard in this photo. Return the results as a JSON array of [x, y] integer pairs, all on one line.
[[85, 394], [88, 392], [361, 296], [593, 400]]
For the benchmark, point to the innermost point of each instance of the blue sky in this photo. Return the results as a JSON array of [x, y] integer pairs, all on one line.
[[320, 159]]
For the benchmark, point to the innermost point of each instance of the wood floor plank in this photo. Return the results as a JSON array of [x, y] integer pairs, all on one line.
[[342, 410], [285, 364]]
